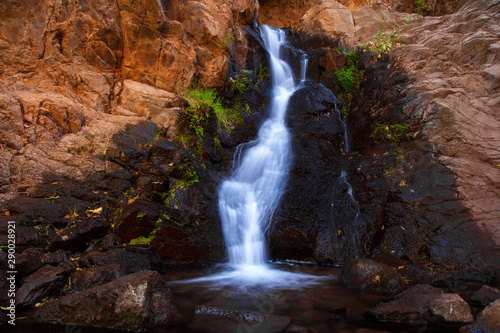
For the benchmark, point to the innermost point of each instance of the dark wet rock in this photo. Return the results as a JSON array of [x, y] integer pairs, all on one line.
[[313, 316], [3, 318], [390, 260], [4, 283], [29, 261], [424, 302], [131, 259], [87, 278], [372, 277], [367, 330], [317, 142], [134, 303], [355, 315], [294, 328], [213, 319], [488, 321], [486, 295], [138, 219], [324, 62], [61, 259], [424, 276], [489, 275], [76, 238], [45, 282]]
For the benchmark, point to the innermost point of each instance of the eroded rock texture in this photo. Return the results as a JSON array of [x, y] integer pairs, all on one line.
[[447, 175]]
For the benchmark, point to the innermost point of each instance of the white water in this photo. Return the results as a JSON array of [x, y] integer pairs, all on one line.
[[162, 11], [248, 199]]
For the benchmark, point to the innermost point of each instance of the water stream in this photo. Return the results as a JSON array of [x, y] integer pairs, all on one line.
[[161, 10], [249, 197]]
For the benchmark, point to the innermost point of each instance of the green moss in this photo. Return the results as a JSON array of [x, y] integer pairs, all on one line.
[[145, 240], [392, 134]]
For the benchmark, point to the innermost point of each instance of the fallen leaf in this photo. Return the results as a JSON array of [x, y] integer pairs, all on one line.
[[96, 211]]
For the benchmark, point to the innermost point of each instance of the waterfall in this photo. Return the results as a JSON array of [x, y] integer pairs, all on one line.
[[162, 11], [247, 200]]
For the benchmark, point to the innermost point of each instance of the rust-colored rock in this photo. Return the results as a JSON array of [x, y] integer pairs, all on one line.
[[329, 18]]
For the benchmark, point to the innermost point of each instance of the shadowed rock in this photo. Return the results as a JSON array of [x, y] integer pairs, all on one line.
[[134, 303]]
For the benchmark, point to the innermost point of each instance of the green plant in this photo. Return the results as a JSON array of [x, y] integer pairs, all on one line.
[[141, 240], [53, 197], [140, 215], [393, 134], [228, 40], [201, 101], [131, 193], [73, 213], [383, 42], [407, 19], [419, 7], [348, 76]]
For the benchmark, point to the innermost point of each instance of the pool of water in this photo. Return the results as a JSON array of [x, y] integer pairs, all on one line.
[[307, 299]]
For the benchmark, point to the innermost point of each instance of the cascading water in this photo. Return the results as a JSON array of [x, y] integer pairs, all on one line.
[[161, 10], [248, 199]]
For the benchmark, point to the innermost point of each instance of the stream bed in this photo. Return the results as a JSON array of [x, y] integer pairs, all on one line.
[[322, 304]]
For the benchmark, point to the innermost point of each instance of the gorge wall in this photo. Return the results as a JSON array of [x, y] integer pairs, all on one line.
[[97, 147]]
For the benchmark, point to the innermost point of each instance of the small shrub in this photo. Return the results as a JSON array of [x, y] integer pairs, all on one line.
[[201, 102], [419, 7], [393, 134], [349, 77], [383, 44]]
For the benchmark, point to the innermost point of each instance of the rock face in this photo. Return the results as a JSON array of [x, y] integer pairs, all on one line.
[[424, 303], [452, 118], [90, 114], [132, 303]]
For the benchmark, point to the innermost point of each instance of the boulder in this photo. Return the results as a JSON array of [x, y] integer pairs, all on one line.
[[424, 276], [87, 278], [330, 18], [488, 321], [372, 277], [486, 295], [45, 282], [134, 303], [60, 259], [29, 261], [424, 302], [130, 259]]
